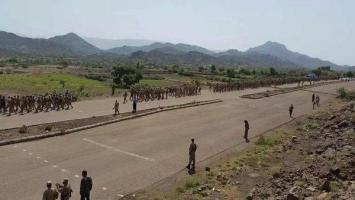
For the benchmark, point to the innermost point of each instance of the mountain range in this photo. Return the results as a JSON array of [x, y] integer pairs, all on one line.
[[270, 54]]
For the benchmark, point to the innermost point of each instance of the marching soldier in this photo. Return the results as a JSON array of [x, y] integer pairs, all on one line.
[[246, 130], [290, 110], [125, 97], [135, 100], [317, 100], [116, 108]]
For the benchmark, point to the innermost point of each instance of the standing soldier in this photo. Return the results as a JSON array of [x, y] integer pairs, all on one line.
[[192, 156], [85, 186], [64, 190], [50, 193], [290, 110], [116, 108], [246, 131], [313, 97]]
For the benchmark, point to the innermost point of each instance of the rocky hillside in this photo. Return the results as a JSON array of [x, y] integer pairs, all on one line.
[[313, 158]]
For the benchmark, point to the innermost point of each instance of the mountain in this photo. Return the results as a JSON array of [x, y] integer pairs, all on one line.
[[270, 54], [106, 44], [280, 51], [24, 45], [75, 43], [126, 50]]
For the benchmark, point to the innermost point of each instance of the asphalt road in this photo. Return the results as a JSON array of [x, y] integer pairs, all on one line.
[[130, 155]]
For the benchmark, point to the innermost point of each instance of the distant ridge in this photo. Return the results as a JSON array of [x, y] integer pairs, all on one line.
[[280, 51], [75, 43], [270, 54], [126, 50], [106, 44]]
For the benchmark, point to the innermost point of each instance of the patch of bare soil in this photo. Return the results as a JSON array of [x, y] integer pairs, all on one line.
[[312, 158], [278, 91]]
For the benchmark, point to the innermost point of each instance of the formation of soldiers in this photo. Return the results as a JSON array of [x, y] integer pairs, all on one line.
[[241, 85], [36, 103], [161, 93]]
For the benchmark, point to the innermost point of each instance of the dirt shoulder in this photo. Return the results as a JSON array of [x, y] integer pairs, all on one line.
[[313, 157], [279, 90]]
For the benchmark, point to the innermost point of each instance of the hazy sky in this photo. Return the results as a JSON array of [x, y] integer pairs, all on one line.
[[319, 28]]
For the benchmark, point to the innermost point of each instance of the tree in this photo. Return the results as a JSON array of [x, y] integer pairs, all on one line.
[[64, 63], [349, 74], [125, 76], [317, 72], [221, 69], [273, 71], [201, 69], [244, 71], [230, 73], [213, 69]]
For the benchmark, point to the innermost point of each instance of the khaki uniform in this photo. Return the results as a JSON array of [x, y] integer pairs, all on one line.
[[50, 194], [65, 192]]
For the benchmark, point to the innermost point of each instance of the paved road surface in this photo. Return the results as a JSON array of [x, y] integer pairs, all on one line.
[[130, 155], [84, 109]]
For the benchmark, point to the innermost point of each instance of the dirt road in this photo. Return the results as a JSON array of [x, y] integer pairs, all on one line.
[[133, 154]]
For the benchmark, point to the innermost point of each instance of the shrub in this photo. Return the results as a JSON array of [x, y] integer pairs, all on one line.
[[48, 128], [191, 184], [345, 94], [23, 129], [266, 141]]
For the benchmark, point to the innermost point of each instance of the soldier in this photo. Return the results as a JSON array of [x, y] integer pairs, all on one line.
[[64, 190], [192, 156], [290, 110], [116, 108], [135, 100], [313, 97], [246, 126], [85, 186], [50, 193], [317, 100], [125, 97]]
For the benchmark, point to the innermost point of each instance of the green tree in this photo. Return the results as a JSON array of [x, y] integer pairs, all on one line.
[[201, 69], [244, 71], [349, 74], [125, 76], [64, 63], [230, 73], [273, 71], [213, 69], [221, 69], [317, 72]]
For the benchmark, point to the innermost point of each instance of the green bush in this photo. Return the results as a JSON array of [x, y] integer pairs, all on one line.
[[345, 94], [267, 141]]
